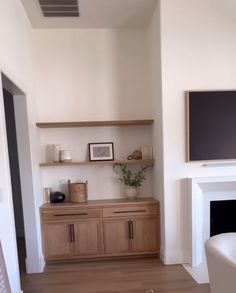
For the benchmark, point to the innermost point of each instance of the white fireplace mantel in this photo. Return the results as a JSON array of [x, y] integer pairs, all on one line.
[[202, 190]]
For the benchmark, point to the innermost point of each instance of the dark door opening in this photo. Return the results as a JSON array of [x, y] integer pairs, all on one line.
[[15, 177]]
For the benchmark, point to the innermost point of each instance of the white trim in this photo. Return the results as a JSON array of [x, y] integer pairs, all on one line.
[[42, 264], [202, 190]]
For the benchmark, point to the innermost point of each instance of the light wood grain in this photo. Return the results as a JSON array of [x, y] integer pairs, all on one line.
[[124, 276], [116, 236], [94, 123], [146, 237], [141, 201], [57, 242], [187, 136], [87, 238], [98, 229], [69, 214], [130, 211]]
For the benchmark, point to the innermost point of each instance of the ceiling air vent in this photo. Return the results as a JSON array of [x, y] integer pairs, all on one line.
[[59, 8]]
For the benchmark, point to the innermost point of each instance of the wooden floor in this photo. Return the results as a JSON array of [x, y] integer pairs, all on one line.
[[128, 276]]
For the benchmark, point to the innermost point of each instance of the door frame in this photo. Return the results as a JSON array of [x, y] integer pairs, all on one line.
[[34, 260]]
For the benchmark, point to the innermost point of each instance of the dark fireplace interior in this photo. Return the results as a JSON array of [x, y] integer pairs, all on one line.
[[222, 216]]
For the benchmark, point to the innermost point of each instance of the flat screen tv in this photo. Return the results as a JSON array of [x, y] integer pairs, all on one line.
[[211, 121]]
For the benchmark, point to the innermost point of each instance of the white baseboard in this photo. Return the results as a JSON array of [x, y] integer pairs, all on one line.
[[37, 268], [199, 273], [42, 263], [173, 257]]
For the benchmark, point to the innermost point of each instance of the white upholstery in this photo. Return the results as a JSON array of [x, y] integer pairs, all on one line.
[[221, 262]]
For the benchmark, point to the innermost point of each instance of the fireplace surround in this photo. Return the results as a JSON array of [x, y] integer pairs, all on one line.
[[203, 190]]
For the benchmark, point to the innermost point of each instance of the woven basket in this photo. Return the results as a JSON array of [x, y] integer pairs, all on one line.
[[78, 192]]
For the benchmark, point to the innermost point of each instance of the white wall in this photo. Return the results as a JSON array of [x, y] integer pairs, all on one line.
[[92, 74], [198, 52], [154, 34], [15, 62]]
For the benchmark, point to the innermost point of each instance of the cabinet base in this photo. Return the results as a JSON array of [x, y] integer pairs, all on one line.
[[103, 258]]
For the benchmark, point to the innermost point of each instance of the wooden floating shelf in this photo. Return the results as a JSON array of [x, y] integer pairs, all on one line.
[[94, 123], [147, 162]]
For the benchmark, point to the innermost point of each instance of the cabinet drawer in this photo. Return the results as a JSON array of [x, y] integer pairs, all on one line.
[[70, 214], [140, 210]]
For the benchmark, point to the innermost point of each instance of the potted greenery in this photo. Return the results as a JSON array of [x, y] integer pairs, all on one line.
[[131, 179]]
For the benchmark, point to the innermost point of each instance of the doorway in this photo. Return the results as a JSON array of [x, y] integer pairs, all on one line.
[[15, 177], [27, 186]]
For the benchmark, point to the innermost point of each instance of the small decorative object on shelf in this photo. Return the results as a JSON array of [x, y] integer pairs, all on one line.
[[131, 192], [65, 156], [146, 152], [46, 194], [131, 179], [57, 197], [101, 151], [78, 192], [56, 153], [137, 155]]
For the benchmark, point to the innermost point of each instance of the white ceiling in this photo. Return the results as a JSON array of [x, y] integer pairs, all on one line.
[[96, 14]]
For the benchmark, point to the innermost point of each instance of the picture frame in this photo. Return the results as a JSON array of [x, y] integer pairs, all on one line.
[[101, 151]]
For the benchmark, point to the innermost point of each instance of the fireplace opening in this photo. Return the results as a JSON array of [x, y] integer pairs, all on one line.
[[222, 216]]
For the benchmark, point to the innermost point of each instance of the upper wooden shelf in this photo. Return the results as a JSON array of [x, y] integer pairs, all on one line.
[[94, 123], [147, 162]]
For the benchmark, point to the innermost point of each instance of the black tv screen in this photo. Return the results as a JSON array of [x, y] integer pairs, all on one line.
[[211, 125]]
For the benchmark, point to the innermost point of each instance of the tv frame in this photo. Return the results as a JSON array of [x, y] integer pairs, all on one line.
[[188, 128]]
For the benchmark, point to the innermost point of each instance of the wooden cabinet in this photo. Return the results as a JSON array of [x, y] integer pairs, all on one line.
[[87, 237], [57, 240], [70, 233], [116, 236], [135, 231], [146, 238], [101, 228]]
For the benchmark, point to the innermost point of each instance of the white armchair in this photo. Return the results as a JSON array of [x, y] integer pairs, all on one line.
[[221, 262]]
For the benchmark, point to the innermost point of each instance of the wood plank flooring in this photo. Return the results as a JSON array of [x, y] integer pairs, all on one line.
[[126, 276]]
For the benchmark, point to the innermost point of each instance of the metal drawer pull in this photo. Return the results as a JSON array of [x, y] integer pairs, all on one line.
[[68, 215], [72, 233], [124, 212], [131, 229]]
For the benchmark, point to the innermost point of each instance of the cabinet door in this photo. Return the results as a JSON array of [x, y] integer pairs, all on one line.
[[87, 238], [116, 236], [146, 234], [57, 240]]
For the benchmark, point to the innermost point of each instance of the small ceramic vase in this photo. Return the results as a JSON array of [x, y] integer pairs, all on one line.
[[131, 192]]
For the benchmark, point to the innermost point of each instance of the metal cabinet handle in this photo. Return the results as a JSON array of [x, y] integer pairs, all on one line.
[[131, 229], [125, 212], [68, 215], [72, 233]]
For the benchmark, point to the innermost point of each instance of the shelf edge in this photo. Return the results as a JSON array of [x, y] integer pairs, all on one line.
[[94, 123], [150, 161]]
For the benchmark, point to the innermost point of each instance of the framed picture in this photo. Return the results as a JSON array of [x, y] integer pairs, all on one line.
[[101, 151]]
